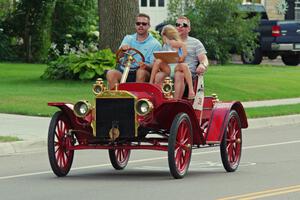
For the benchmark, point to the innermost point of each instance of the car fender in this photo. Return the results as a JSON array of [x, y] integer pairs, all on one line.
[[83, 126], [166, 112], [66, 108], [219, 119]]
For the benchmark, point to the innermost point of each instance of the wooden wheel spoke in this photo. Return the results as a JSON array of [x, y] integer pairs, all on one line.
[[178, 155], [177, 146], [64, 160], [118, 155], [122, 154], [58, 158]]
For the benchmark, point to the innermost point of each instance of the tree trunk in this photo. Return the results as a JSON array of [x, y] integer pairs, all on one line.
[[41, 38], [116, 19]]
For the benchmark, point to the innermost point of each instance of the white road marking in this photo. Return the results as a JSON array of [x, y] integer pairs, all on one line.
[[144, 160]]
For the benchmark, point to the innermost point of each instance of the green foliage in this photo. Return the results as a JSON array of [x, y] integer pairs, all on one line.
[[92, 65], [84, 66], [31, 23], [156, 35], [221, 27], [178, 7], [60, 68], [73, 21], [6, 52], [39, 22], [5, 8]]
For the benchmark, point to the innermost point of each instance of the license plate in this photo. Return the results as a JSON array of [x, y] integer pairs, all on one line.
[[297, 46]]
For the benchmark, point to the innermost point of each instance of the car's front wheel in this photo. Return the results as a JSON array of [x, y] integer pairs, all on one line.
[[180, 145], [60, 157], [119, 158]]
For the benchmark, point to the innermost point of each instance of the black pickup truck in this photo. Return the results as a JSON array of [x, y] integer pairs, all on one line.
[[275, 38]]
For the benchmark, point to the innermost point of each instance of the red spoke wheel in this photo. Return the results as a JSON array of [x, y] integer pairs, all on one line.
[[119, 158], [180, 145], [60, 156], [231, 145]]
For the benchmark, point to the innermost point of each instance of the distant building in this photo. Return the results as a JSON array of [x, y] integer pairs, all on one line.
[[276, 9], [157, 9]]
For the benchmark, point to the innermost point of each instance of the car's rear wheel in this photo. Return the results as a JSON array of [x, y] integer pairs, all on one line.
[[180, 145], [291, 60], [60, 157], [119, 158], [253, 58], [231, 145]]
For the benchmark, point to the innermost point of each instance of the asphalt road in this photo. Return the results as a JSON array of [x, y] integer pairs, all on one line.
[[269, 169]]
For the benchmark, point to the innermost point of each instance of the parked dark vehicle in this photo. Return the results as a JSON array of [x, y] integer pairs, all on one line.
[[276, 38]]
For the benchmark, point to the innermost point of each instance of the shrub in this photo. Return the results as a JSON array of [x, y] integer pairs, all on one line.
[[8, 46], [156, 35], [80, 65], [91, 65]]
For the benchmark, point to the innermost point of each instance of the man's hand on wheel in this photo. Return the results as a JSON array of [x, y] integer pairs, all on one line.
[[125, 47]]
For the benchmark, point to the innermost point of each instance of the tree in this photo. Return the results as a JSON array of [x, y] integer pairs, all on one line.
[[117, 18], [30, 23], [220, 26], [73, 20], [41, 36]]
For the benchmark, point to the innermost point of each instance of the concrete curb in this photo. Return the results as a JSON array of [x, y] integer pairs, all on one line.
[[274, 121], [22, 147], [40, 145]]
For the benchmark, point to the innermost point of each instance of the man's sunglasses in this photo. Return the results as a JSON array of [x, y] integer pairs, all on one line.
[[141, 23], [182, 25]]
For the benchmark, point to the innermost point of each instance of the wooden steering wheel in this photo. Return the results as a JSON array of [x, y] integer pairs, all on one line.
[[129, 56]]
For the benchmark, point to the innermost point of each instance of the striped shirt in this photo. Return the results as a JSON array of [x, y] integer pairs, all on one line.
[[194, 48]]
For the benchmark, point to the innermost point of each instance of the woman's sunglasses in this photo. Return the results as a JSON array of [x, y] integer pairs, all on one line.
[[141, 23], [181, 25]]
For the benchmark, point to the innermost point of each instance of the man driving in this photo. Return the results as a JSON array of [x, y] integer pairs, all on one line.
[[143, 42]]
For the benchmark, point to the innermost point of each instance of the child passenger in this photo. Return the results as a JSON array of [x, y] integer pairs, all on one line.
[[172, 42]]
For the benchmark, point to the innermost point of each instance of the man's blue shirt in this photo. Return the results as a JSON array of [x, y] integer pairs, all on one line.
[[146, 47]]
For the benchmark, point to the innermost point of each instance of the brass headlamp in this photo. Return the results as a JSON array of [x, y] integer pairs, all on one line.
[[143, 107], [167, 87], [99, 86], [82, 108]]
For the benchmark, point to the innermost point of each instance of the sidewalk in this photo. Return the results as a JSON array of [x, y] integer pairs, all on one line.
[[34, 130], [275, 102]]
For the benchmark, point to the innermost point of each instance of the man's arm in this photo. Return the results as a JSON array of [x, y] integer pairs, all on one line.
[[203, 64]]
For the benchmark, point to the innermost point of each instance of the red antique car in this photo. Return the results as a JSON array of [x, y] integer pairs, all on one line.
[[146, 116]]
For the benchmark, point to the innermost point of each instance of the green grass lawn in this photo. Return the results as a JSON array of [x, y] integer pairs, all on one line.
[[273, 111], [248, 83], [9, 139], [23, 92]]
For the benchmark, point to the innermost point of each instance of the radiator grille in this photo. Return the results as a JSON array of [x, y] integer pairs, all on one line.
[[112, 111]]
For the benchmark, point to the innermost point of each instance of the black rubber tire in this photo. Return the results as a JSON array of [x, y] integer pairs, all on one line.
[[179, 118], [291, 60], [57, 120], [228, 165], [118, 165], [252, 59]]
